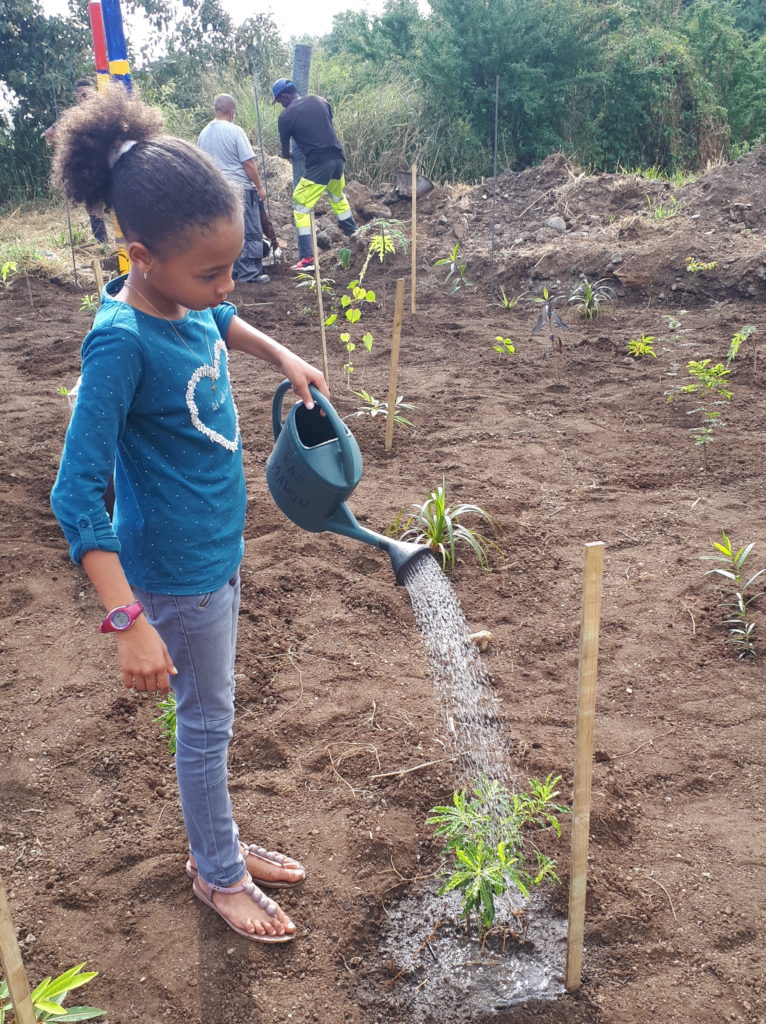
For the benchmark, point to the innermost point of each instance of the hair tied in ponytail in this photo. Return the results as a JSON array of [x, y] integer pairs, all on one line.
[[119, 151]]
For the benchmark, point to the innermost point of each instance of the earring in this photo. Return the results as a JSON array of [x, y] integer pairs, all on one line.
[[146, 274]]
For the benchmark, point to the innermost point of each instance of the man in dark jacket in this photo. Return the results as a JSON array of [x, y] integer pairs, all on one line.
[[308, 120]]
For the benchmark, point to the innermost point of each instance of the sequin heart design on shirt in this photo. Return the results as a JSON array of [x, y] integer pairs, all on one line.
[[213, 372]]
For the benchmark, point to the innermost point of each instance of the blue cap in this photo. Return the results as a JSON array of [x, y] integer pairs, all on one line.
[[279, 86]]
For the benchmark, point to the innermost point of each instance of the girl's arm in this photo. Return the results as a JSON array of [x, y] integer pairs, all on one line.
[[144, 658], [243, 338]]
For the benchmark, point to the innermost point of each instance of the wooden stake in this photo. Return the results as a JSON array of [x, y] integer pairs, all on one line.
[[318, 279], [586, 705], [393, 371], [414, 272], [13, 965], [97, 273]]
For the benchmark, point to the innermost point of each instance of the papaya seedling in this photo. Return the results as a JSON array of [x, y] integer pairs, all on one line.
[[740, 622], [487, 839], [589, 298], [48, 998], [643, 346], [437, 524]]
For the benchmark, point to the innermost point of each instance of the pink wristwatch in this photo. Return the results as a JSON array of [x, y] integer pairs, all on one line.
[[121, 618]]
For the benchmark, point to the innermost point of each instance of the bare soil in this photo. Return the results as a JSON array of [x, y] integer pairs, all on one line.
[[333, 685]]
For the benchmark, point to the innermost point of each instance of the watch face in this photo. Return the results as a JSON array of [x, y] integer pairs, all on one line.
[[120, 619]]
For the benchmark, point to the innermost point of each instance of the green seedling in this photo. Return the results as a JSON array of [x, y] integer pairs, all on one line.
[[487, 838], [352, 303], [309, 282], [373, 407], [504, 345], [63, 391], [710, 384], [8, 272], [457, 270], [744, 334], [441, 527], [509, 301], [344, 257], [740, 621], [61, 239], [643, 346], [48, 998], [549, 319], [89, 303], [694, 266], [388, 237], [589, 298], [167, 719], [664, 211]]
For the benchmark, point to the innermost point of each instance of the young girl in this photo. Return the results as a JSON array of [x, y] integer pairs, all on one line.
[[155, 404]]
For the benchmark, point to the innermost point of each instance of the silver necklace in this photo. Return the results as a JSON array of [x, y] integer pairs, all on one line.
[[176, 331]]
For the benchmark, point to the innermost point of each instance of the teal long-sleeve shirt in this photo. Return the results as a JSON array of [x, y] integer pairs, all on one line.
[[155, 406]]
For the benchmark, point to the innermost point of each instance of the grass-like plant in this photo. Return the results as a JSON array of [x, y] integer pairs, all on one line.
[[89, 303], [374, 407], [487, 840], [664, 211], [439, 526], [167, 720], [741, 623], [49, 995], [643, 346], [457, 270], [549, 319], [588, 298], [509, 301]]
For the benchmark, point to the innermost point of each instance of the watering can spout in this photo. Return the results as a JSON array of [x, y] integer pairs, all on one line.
[[402, 554]]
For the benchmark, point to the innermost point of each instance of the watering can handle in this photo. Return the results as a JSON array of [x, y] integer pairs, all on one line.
[[340, 428]]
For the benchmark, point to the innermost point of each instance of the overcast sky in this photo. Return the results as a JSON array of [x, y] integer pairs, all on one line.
[[294, 17]]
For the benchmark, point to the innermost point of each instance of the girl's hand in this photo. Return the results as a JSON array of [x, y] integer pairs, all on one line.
[[301, 374], [144, 658]]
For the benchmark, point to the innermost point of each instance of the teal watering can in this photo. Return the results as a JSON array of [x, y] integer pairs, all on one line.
[[314, 466]]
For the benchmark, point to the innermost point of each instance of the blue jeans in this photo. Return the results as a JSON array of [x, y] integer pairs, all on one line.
[[201, 633]]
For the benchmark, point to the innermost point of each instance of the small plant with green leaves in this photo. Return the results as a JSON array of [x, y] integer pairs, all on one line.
[[588, 298], [710, 384], [740, 621], [48, 998], [694, 266], [456, 272], [487, 840], [549, 319], [386, 237], [352, 302], [167, 719], [441, 527], [309, 282], [344, 257], [664, 211], [8, 272], [504, 346], [509, 301], [89, 303], [373, 407], [643, 346], [744, 334]]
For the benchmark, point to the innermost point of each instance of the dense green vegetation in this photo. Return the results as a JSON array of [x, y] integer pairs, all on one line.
[[671, 84]]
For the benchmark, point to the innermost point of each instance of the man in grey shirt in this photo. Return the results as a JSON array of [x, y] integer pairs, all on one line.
[[228, 145]]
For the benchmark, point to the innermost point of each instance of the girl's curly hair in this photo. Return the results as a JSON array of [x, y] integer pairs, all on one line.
[[161, 189]]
